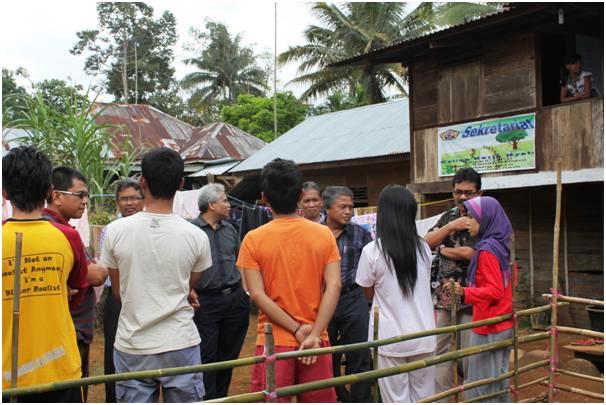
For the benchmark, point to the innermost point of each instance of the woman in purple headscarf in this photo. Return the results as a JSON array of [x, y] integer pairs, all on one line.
[[489, 291]]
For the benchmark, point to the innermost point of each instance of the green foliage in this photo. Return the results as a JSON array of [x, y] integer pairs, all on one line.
[[71, 137], [355, 28], [131, 49], [102, 214], [340, 100], [512, 137], [255, 115], [12, 97], [55, 92], [225, 67]]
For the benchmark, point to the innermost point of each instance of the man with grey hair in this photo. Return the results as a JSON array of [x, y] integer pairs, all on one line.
[[222, 319], [349, 323]]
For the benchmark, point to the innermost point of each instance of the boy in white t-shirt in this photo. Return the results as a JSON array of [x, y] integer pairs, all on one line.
[[155, 258]]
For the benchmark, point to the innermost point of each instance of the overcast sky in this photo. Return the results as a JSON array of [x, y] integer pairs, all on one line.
[[38, 35]]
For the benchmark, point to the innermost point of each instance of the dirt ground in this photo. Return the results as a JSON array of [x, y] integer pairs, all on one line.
[[241, 378]]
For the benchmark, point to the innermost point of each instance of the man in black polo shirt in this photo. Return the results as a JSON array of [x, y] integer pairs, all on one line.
[[349, 324], [222, 319]]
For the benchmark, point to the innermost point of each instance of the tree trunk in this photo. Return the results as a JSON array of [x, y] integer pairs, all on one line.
[[124, 68]]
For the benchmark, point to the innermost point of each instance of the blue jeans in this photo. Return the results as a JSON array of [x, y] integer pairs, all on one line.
[[178, 388]]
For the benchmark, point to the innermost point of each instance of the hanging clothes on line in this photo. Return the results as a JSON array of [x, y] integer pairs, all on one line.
[[253, 218]]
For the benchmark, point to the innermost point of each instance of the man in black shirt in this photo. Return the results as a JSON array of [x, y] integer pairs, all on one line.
[[222, 319]]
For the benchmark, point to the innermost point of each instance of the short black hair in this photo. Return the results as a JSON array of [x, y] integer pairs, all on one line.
[[127, 183], [572, 58], [282, 183], [467, 174], [26, 177], [163, 170], [333, 192], [63, 178]]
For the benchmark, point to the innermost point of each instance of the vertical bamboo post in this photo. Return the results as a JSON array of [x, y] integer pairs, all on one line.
[[530, 249], [554, 280], [565, 237], [270, 366], [453, 341], [375, 353], [16, 311], [514, 299]]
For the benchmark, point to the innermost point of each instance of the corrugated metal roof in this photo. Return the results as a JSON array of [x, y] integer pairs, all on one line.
[[217, 169], [220, 140], [370, 131], [149, 127], [146, 126], [473, 21]]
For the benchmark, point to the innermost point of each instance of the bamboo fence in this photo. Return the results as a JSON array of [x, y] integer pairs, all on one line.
[[135, 375], [269, 357]]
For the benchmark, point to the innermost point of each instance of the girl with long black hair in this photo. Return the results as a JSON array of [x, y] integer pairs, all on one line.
[[395, 271]]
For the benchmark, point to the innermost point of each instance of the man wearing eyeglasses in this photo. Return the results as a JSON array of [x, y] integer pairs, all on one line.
[[454, 248], [129, 201], [68, 200]]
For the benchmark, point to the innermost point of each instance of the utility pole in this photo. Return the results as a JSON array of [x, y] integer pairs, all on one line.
[[275, 69]]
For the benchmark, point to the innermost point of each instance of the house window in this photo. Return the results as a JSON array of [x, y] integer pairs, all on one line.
[[360, 196]]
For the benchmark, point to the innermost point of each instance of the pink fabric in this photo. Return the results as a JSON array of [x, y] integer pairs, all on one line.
[[292, 371]]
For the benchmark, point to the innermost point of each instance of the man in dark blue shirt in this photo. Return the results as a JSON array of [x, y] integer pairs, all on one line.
[[350, 321], [222, 319]]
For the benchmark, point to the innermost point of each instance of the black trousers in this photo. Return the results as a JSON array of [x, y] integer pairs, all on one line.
[[111, 313], [84, 349], [222, 322], [350, 325]]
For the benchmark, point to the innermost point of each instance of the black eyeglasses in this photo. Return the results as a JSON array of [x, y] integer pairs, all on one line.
[[79, 194]]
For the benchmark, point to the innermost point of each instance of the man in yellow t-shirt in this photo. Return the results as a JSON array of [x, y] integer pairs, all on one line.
[[51, 265]]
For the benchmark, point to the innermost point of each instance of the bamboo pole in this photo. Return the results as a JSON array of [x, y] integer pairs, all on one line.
[[579, 391], [453, 341], [486, 381], [538, 398], [576, 300], [514, 298], [530, 249], [369, 375], [496, 394], [270, 364], [578, 331], [554, 280], [134, 375], [565, 240], [16, 311], [375, 353], [584, 376]]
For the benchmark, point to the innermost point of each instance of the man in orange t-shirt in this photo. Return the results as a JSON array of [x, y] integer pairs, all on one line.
[[291, 266]]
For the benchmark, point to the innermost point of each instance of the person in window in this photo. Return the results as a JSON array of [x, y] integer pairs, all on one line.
[[575, 84]]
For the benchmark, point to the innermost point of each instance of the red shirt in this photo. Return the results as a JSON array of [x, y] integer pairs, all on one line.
[[77, 278], [489, 297]]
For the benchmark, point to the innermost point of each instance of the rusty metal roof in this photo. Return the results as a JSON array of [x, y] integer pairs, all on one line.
[[220, 140], [148, 127]]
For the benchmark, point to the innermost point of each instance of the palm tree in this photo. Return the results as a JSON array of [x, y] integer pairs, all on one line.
[[357, 28], [225, 68]]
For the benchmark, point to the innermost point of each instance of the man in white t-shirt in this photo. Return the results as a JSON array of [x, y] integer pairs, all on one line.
[[155, 258]]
